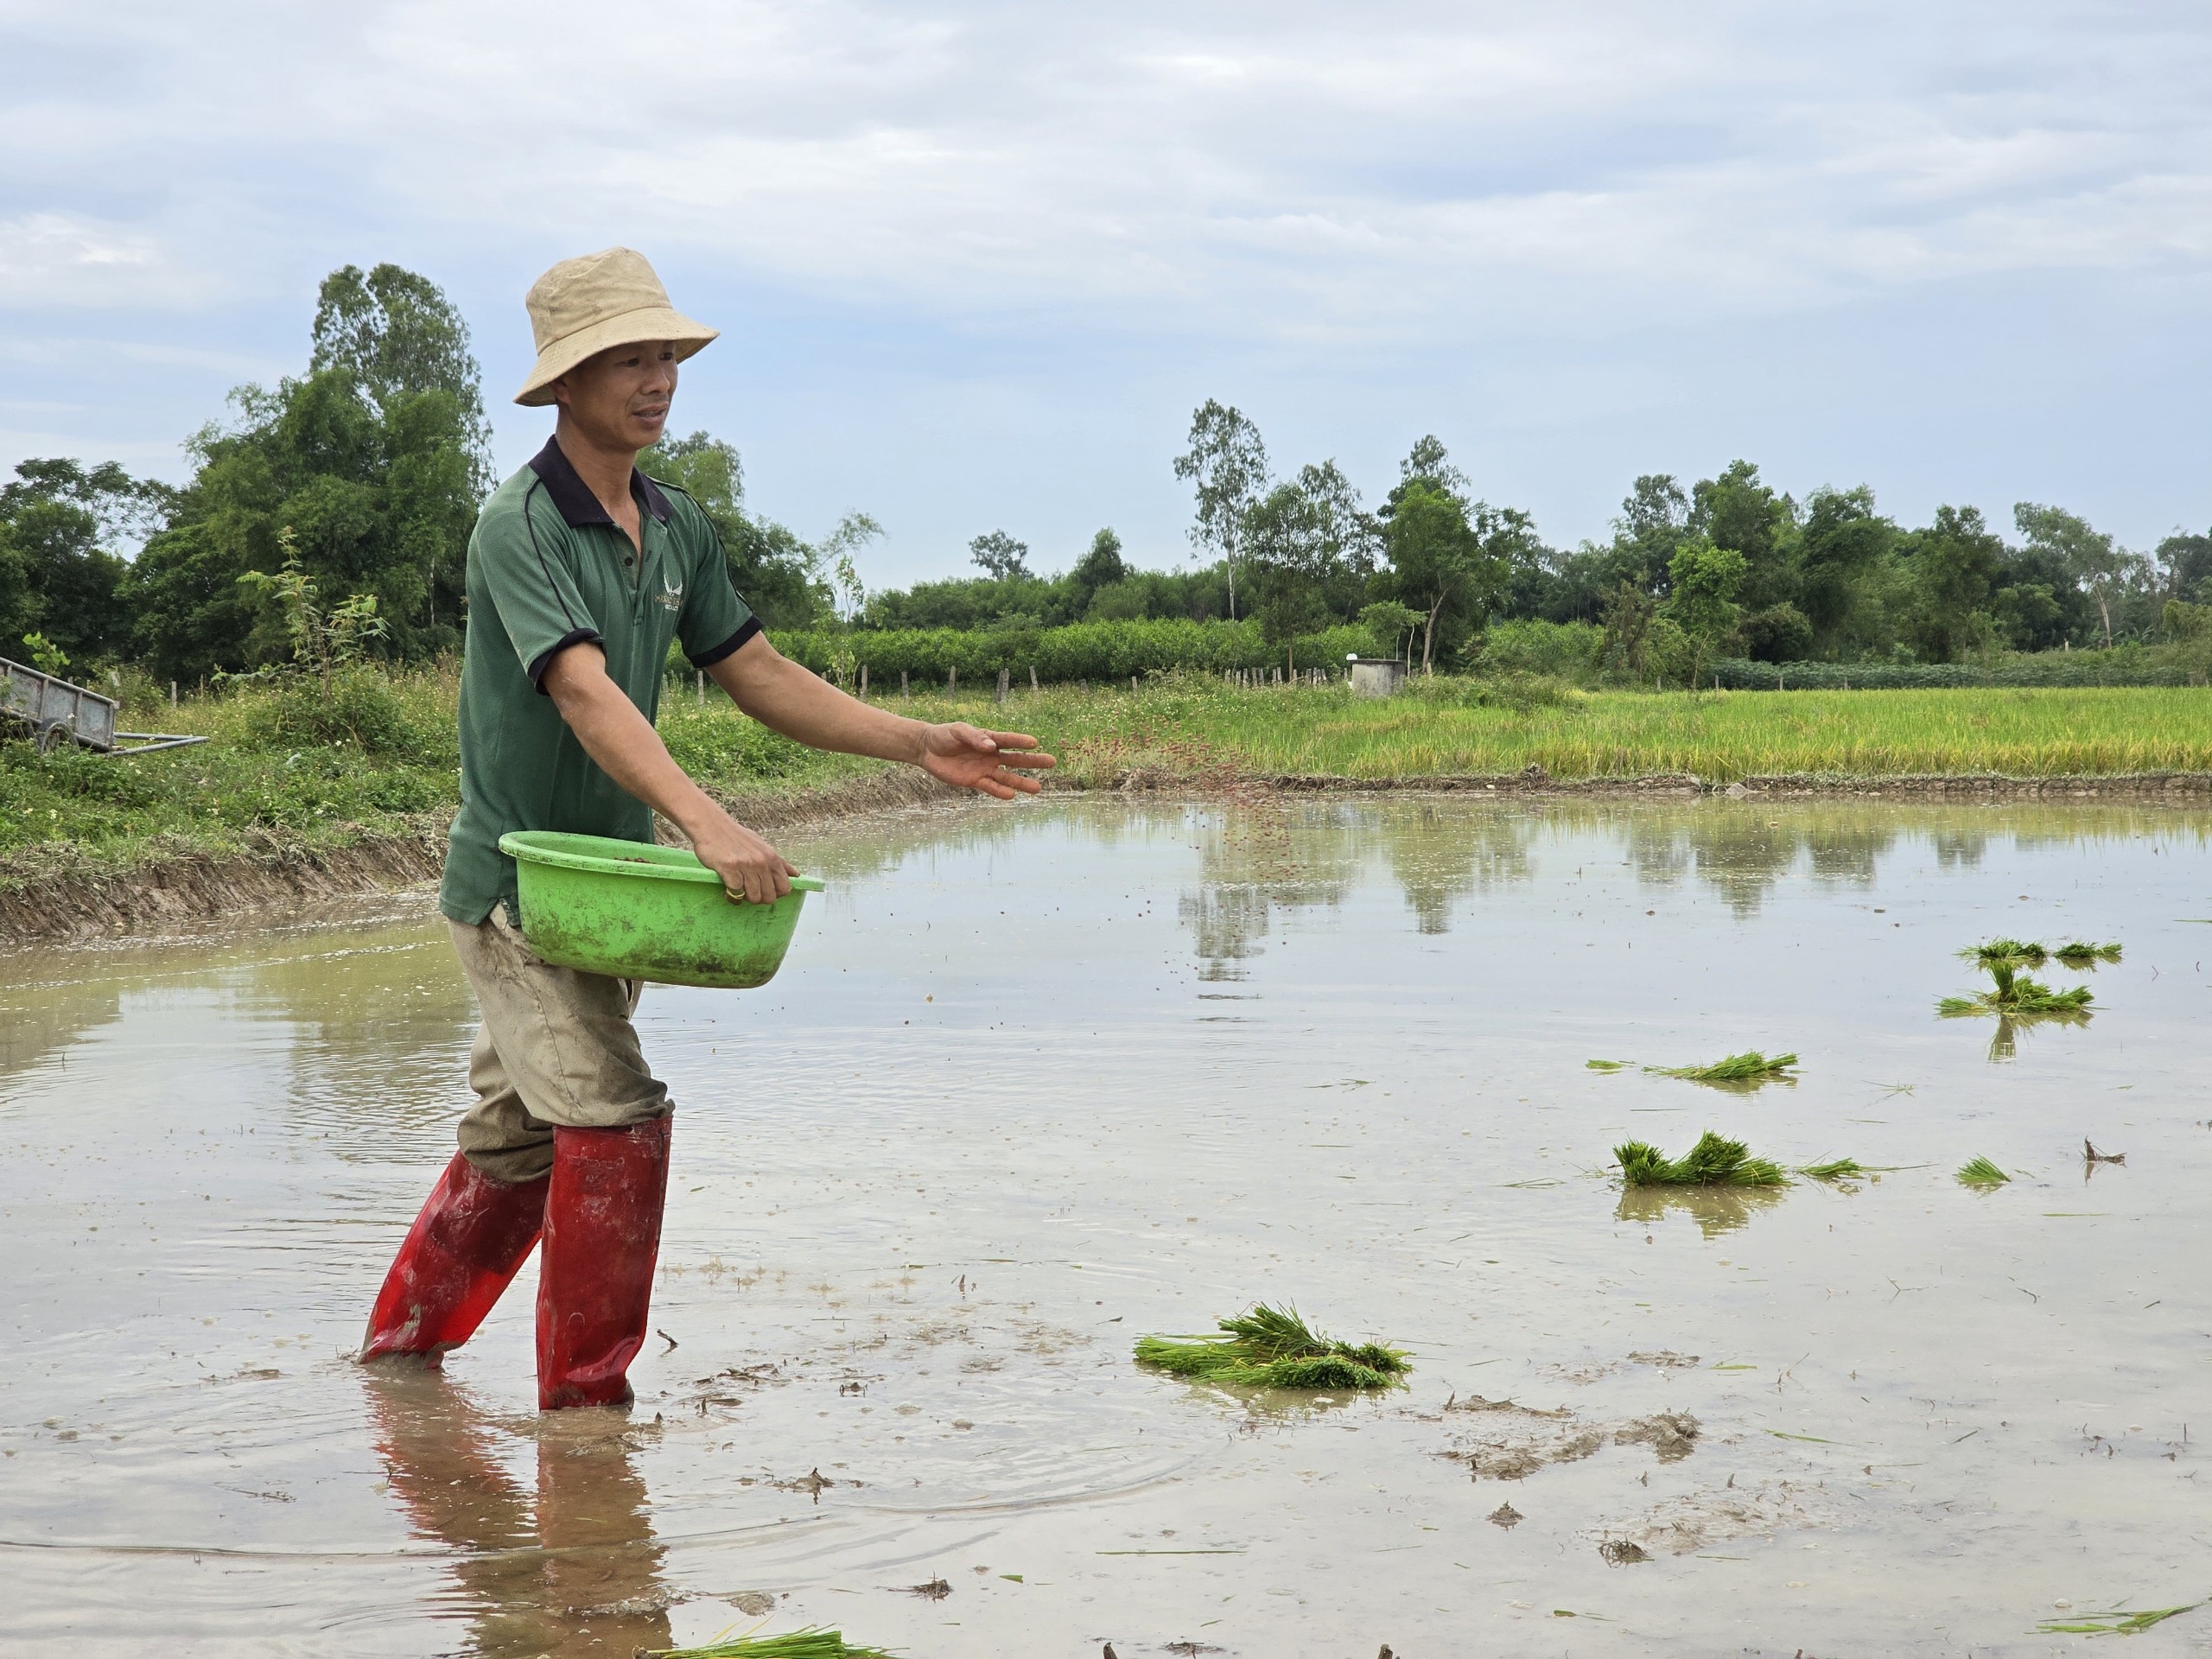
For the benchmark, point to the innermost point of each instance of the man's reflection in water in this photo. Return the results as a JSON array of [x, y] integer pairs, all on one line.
[[570, 1572]]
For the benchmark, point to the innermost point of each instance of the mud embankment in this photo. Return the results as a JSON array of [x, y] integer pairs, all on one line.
[[176, 891]]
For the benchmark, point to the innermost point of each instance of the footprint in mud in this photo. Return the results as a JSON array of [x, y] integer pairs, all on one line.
[[814, 1483], [1678, 1525], [1516, 1442], [721, 1388]]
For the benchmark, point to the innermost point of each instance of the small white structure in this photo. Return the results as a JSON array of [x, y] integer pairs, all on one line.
[[1375, 677]]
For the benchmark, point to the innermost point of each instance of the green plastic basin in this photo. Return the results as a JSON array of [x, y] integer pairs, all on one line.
[[637, 911]]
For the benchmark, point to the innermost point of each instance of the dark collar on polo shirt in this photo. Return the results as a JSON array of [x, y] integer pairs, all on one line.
[[578, 505]]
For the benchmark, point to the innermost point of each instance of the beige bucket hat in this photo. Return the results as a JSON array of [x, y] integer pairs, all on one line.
[[583, 306]]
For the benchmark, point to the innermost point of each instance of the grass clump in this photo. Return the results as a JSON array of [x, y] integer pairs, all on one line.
[[2012, 993], [1714, 1162], [1979, 1171], [1751, 1066], [792, 1644], [2079, 954], [1274, 1348]]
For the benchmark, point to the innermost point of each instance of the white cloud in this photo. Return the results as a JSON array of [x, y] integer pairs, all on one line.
[[1416, 199], [67, 261], [1304, 169]]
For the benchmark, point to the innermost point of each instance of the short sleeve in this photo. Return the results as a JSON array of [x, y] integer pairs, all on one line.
[[519, 565], [715, 621]]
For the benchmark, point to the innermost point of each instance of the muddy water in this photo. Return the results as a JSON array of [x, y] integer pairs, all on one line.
[[1037, 1081]]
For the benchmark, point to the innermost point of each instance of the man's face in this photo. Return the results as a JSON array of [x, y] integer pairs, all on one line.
[[619, 398]]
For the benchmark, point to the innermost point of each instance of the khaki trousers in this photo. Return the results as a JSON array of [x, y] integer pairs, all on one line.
[[556, 1048]]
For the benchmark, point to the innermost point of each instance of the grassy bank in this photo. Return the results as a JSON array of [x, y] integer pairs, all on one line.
[[302, 770], [1463, 729], [297, 771]]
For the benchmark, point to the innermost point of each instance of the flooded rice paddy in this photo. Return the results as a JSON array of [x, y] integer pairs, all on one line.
[[1037, 1081]]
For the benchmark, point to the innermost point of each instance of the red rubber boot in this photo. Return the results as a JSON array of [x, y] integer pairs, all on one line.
[[474, 1235], [596, 1281]]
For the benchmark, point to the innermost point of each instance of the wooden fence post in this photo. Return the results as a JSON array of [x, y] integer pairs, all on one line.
[[1032, 677], [952, 682], [1005, 679], [902, 684], [864, 681]]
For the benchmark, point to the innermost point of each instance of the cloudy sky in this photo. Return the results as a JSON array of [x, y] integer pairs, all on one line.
[[976, 263]]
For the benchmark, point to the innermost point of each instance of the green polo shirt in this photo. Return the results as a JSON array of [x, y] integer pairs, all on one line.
[[549, 570]]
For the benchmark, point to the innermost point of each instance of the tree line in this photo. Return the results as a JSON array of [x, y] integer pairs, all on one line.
[[362, 474], [1727, 566]]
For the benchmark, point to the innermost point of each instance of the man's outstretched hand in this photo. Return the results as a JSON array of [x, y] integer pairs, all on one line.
[[997, 763]]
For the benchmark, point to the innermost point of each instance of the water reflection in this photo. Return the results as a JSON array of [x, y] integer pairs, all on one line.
[[570, 1568], [1262, 859], [1717, 1210]]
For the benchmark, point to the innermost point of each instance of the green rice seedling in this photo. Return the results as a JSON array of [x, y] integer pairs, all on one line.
[[2018, 952], [1749, 1067], [1608, 1065], [1979, 1171], [2117, 1622], [1714, 1162], [2079, 955], [809, 1643], [1839, 1169], [1274, 1348], [2012, 993]]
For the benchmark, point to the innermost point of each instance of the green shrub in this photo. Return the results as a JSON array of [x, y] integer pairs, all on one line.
[[1564, 651], [360, 708]]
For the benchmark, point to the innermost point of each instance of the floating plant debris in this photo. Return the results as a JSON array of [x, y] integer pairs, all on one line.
[[2117, 1622], [1274, 1348], [2012, 993], [810, 1644], [1714, 1162], [2080, 955], [1608, 1065], [1751, 1066], [2091, 1155], [1980, 1172], [1836, 1169]]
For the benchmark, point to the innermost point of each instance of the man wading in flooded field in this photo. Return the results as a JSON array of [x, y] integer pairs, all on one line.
[[581, 570]]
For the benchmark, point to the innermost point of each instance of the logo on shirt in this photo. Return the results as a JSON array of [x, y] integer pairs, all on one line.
[[671, 596]]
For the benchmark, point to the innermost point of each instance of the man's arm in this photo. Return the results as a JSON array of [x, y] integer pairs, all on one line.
[[783, 696], [629, 749], [787, 698]]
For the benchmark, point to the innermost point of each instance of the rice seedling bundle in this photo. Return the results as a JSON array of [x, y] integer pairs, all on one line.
[[809, 1643], [2079, 954], [2012, 992], [2018, 952], [1714, 1162], [1274, 1348], [1751, 1066], [1979, 1171]]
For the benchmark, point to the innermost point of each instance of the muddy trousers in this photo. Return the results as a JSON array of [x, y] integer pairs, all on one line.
[[567, 1143]]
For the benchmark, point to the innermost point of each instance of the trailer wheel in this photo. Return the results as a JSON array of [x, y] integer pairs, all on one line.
[[61, 733]]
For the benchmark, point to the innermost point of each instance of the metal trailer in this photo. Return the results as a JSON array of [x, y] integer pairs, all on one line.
[[55, 712]]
